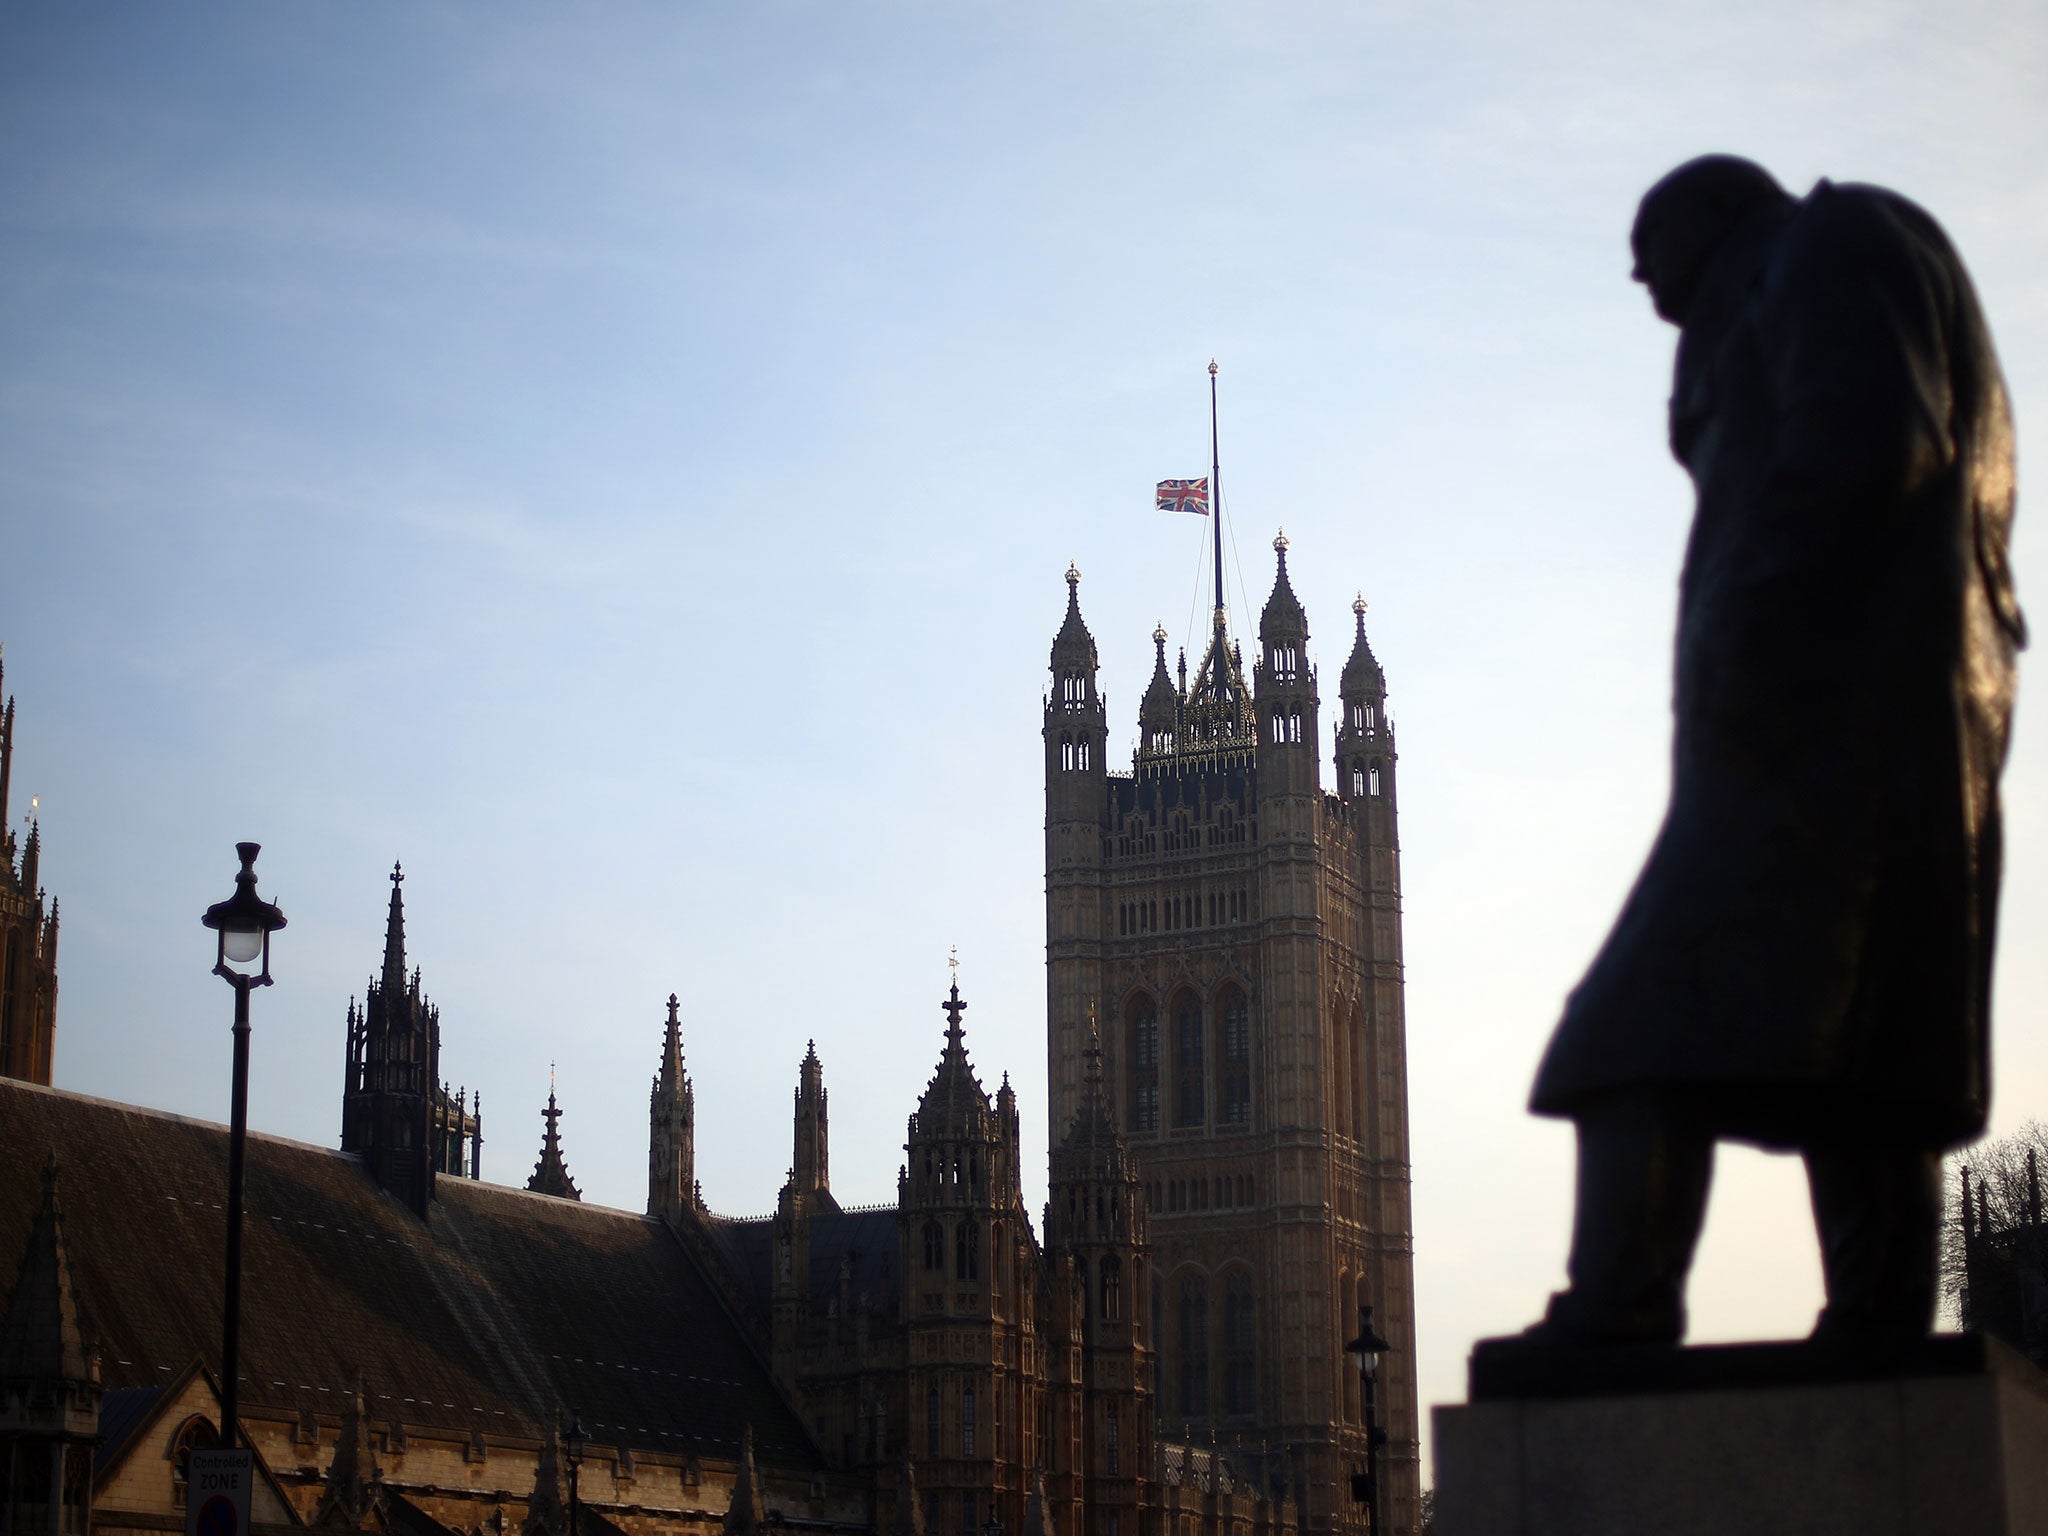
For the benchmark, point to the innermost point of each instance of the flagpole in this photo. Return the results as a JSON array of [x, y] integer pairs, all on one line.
[[1216, 499]]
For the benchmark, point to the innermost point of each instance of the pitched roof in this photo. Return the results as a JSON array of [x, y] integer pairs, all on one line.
[[501, 1305]]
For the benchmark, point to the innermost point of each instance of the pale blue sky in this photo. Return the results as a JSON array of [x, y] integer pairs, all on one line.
[[621, 461]]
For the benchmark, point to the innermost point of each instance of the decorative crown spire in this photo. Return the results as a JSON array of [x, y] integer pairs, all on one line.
[[550, 1173]]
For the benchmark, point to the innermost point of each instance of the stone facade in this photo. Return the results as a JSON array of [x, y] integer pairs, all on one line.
[[1235, 931], [975, 1371]]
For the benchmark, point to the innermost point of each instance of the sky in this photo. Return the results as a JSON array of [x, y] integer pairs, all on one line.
[[622, 463]]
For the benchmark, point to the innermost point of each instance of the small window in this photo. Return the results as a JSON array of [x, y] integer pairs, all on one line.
[[1372, 780], [967, 1421], [934, 1246], [967, 1252]]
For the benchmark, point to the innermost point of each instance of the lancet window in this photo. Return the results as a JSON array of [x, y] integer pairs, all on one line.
[[1190, 1107], [1144, 1058]]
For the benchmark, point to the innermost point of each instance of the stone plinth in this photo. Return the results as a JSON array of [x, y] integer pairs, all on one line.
[[1751, 1439]]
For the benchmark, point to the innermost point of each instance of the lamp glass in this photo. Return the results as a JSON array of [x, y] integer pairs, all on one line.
[[242, 945]]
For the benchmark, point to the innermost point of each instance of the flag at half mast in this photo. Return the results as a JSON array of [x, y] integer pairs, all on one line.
[[1185, 496]]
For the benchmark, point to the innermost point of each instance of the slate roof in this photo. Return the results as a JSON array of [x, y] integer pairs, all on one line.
[[500, 1306], [869, 1238]]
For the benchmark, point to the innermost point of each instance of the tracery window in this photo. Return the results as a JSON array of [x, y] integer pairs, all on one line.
[[1236, 1031], [1239, 1336], [1193, 1329], [967, 1421], [1112, 1289], [1189, 1103], [1144, 1058], [934, 1246], [967, 1251], [931, 1422]]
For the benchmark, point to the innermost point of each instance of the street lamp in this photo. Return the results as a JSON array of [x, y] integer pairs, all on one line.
[[245, 922], [992, 1526], [573, 1440], [1365, 1486]]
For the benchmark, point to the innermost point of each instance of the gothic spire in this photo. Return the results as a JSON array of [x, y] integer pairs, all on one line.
[[350, 1487], [42, 1339], [672, 1128], [745, 1515], [547, 1511], [1283, 621], [1073, 646], [954, 1102], [908, 1520], [394, 937], [550, 1173], [1362, 676]]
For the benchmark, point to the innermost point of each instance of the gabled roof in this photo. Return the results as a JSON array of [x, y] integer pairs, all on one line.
[[497, 1307]]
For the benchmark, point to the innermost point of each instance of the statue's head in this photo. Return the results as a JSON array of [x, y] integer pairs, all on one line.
[[1687, 217]]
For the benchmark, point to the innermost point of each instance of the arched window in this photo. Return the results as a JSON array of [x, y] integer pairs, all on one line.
[[1372, 780], [934, 1246], [196, 1434], [1112, 1289], [1239, 1341], [967, 1421], [1143, 1024], [1189, 1099], [1113, 1460], [1357, 778], [967, 1251], [931, 1422], [1192, 1328], [1235, 1028]]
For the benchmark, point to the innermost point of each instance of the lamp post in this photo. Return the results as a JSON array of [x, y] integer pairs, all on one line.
[[992, 1526], [573, 1439], [245, 922], [1365, 1486]]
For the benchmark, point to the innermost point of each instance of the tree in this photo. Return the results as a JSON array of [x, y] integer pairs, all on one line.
[[2004, 1179]]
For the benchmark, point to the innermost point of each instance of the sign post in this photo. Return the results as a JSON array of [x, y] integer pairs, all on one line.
[[217, 1486]]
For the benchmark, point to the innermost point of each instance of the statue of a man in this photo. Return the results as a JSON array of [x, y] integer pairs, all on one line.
[[1805, 960]]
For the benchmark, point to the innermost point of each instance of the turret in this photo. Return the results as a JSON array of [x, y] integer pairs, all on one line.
[[395, 1113], [1076, 725], [1365, 737], [1159, 710], [1286, 691], [672, 1130], [812, 1161], [49, 1387]]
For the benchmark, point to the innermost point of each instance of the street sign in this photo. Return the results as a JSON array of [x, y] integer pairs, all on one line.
[[217, 1485]]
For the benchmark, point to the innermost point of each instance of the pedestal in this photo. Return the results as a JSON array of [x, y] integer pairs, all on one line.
[[1751, 1439]]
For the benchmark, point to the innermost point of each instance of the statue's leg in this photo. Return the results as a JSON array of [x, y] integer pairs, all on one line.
[[1644, 1168], [1878, 1207]]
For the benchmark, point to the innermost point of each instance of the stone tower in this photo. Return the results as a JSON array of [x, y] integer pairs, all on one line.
[[1238, 931], [972, 1402], [672, 1130], [396, 1113], [1095, 1240], [28, 940]]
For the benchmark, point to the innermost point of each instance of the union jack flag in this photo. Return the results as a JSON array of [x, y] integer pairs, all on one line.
[[1185, 496]]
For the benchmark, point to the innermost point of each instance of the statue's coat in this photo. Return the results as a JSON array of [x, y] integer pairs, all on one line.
[[1808, 947]]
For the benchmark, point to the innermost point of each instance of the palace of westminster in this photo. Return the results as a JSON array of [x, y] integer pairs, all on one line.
[[1160, 1353]]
